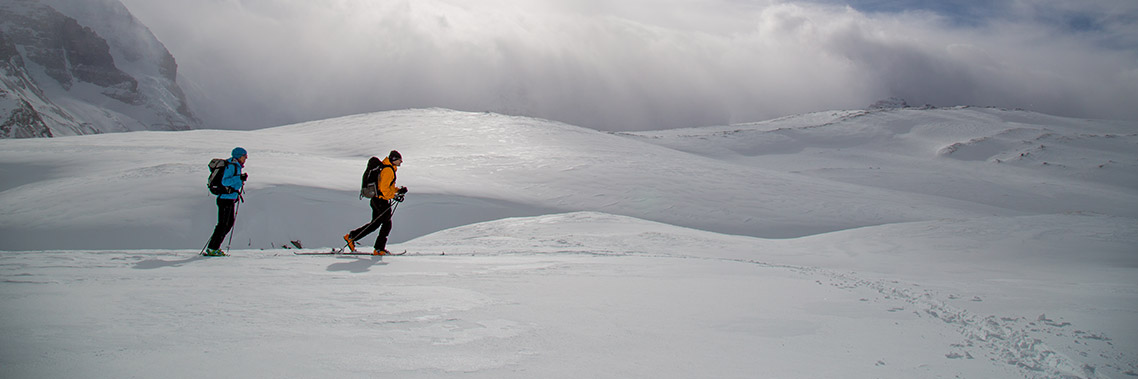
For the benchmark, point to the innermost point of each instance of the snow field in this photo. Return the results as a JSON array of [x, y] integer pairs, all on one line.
[[885, 244]]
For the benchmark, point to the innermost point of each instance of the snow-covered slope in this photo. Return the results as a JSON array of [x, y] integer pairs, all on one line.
[[145, 189], [917, 243]]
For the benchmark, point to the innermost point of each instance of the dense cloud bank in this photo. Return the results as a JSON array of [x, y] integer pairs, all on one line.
[[638, 65]]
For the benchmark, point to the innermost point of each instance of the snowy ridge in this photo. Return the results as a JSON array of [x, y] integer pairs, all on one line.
[[1010, 159]]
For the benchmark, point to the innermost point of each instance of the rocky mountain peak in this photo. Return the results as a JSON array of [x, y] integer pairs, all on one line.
[[84, 67]]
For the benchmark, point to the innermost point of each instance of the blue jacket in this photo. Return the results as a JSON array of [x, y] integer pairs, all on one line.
[[232, 179]]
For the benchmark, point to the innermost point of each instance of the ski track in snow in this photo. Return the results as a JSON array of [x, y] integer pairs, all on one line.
[[1012, 340], [1015, 341]]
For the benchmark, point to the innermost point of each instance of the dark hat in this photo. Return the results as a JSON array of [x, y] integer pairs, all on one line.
[[394, 156]]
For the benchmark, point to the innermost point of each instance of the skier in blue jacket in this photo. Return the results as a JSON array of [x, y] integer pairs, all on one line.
[[227, 203]]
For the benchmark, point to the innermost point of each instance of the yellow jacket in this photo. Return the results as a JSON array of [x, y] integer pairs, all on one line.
[[386, 183]]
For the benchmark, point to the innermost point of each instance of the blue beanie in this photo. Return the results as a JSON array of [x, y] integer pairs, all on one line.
[[239, 152]]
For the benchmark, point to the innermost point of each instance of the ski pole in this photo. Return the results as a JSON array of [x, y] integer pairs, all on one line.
[[389, 209]]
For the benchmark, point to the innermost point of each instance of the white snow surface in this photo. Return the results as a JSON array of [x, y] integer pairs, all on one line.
[[901, 243]]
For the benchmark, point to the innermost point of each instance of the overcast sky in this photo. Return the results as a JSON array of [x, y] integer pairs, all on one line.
[[645, 64]]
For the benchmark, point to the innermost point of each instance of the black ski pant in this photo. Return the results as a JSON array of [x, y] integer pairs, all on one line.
[[226, 215], [380, 219]]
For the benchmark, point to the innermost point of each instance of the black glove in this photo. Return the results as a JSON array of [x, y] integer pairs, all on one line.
[[398, 198], [244, 177], [402, 190]]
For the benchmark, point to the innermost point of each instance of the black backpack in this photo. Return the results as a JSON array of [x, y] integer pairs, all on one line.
[[216, 172], [371, 175], [368, 188]]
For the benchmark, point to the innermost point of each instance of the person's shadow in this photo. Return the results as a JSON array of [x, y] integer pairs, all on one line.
[[351, 264], [151, 264], [357, 265]]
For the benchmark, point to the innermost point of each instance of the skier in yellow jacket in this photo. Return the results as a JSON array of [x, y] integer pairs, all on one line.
[[381, 205]]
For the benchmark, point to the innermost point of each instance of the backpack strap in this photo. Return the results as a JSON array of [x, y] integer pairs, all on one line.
[[230, 162]]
